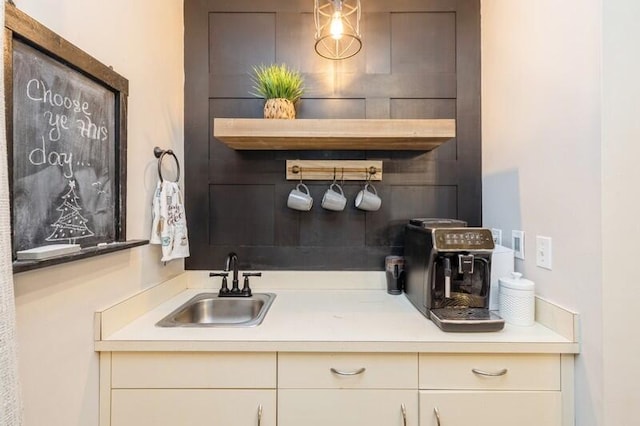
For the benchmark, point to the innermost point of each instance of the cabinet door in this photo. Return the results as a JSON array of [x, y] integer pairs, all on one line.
[[347, 407], [495, 408], [193, 407]]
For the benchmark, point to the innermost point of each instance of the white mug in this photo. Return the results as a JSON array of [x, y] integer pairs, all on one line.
[[367, 199], [334, 198], [300, 199]]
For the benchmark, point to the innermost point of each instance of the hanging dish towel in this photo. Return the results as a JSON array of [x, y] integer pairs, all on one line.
[[169, 224]]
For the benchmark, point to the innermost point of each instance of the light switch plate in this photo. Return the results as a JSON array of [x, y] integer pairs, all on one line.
[[543, 252], [497, 236], [517, 244]]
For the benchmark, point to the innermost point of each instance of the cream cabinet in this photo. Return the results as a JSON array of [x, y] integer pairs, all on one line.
[[337, 389], [500, 390], [193, 407], [495, 408], [319, 389], [193, 388]]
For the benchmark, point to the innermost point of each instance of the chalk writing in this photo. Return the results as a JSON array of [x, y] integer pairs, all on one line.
[[71, 225], [63, 151], [57, 123], [37, 91], [98, 186], [39, 156], [90, 130]]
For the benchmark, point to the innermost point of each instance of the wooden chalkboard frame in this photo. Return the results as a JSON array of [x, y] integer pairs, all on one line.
[[19, 26]]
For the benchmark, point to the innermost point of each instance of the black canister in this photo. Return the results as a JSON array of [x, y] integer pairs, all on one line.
[[394, 269]]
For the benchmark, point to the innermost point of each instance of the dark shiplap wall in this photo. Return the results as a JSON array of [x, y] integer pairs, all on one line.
[[420, 59]]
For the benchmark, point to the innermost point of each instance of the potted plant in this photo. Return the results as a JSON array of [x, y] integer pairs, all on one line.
[[280, 86]]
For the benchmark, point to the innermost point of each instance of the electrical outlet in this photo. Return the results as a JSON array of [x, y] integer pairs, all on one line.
[[517, 244], [543, 252], [497, 236]]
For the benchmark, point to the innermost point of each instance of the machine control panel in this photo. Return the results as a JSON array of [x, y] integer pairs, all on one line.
[[463, 239]]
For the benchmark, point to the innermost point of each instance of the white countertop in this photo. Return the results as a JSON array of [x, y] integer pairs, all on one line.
[[329, 320]]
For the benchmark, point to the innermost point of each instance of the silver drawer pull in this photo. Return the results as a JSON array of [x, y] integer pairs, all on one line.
[[259, 414], [348, 373], [437, 413], [403, 408], [489, 373]]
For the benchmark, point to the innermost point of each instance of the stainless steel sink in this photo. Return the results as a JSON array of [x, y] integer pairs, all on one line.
[[209, 310]]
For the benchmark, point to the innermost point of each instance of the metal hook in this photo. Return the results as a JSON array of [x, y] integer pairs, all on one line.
[[297, 169], [334, 175]]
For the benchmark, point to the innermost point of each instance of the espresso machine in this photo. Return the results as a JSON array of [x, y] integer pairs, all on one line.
[[448, 274]]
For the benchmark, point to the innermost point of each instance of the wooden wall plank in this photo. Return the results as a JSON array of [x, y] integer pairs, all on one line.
[[241, 213], [423, 43], [196, 121], [239, 41]]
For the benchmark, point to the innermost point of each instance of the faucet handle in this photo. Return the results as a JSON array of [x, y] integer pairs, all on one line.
[[224, 289], [246, 291]]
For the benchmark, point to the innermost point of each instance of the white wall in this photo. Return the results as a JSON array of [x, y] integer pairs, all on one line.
[[542, 174], [541, 111], [621, 209], [143, 41]]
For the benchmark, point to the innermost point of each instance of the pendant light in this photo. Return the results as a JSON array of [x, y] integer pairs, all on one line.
[[337, 28]]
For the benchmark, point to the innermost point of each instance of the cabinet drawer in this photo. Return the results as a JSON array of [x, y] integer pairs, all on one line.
[[491, 372], [172, 407], [347, 407], [352, 370], [510, 408], [193, 370]]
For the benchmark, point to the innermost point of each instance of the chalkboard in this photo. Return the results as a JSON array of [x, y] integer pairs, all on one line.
[[67, 134], [63, 154]]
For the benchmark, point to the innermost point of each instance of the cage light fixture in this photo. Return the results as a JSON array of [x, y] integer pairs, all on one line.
[[337, 28]]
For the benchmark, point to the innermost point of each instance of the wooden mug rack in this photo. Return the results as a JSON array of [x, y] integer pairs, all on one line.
[[334, 169]]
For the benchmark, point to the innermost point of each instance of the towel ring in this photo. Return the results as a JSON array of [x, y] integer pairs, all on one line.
[[159, 154]]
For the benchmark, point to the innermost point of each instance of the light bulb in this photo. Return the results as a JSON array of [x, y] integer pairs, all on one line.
[[336, 29]]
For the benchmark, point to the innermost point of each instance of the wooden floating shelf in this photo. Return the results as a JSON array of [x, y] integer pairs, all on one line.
[[333, 134]]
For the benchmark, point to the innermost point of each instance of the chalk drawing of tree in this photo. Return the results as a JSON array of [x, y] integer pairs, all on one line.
[[70, 225]]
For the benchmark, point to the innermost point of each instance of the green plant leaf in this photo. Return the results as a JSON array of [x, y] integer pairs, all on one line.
[[277, 81]]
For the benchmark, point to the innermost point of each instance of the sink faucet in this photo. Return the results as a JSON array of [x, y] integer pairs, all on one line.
[[232, 262], [232, 259]]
